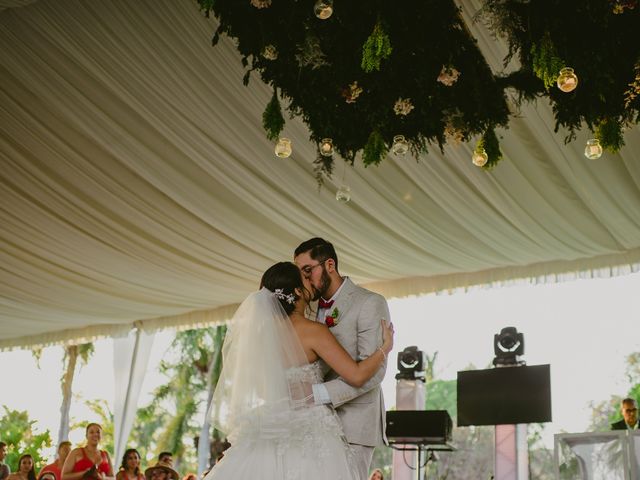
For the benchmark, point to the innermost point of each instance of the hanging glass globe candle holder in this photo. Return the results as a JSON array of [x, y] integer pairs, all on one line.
[[323, 9], [479, 157], [593, 149], [400, 145], [343, 194], [326, 147], [283, 148], [567, 80]]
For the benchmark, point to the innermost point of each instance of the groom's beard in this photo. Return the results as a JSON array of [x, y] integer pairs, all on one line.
[[325, 282]]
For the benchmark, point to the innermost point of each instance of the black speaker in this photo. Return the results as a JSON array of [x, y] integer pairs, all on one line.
[[419, 427]]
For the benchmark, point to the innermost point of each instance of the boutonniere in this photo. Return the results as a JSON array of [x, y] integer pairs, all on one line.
[[332, 319]]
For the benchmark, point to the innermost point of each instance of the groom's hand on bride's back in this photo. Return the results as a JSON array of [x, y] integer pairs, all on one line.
[[301, 395]]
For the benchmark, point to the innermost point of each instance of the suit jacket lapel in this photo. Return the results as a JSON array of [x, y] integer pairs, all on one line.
[[343, 301]]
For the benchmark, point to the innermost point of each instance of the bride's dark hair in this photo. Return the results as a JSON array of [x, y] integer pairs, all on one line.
[[284, 276]]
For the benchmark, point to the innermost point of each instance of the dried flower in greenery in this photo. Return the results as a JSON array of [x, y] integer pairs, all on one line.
[[634, 87], [352, 93], [270, 52], [261, 3], [403, 106], [310, 54], [448, 75]]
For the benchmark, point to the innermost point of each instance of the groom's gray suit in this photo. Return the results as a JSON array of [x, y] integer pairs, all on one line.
[[358, 330]]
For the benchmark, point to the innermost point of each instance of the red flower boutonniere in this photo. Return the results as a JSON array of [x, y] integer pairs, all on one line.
[[332, 319]]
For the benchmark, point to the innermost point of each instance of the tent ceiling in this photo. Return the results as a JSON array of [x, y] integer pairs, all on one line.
[[137, 183]]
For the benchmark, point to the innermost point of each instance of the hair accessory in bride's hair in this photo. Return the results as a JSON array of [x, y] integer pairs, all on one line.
[[279, 293]]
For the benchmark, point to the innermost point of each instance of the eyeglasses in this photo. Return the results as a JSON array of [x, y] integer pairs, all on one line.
[[307, 269]]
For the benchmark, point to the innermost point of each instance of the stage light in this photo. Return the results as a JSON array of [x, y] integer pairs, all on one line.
[[411, 364], [508, 346]]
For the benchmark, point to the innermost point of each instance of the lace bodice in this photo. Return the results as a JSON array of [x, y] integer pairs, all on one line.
[[309, 373]]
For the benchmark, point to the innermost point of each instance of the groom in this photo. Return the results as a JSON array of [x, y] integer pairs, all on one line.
[[353, 314]]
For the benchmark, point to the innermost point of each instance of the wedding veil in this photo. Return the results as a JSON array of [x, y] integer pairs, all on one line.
[[260, 354]]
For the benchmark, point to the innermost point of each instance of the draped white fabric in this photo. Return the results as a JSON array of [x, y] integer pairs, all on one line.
[[130, 359], [136, 184]]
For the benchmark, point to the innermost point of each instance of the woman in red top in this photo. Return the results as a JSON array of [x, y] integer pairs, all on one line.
[[56, 467], [130, 468], [88, 462]]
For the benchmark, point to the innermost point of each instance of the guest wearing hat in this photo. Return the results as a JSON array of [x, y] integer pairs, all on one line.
[[161, 471], [48, 475]]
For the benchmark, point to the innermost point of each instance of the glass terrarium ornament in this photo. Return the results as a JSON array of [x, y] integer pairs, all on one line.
[[567, 80], [593, 149], [479, 157], [323, 9], [283, 147], [343, 194], [326, 147], [400, 146]]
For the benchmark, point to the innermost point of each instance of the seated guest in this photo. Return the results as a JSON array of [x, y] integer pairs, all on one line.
[[25, 471], [88, 462], [629, 410], [376, 475], [56, 467], [161, 471], [166, 457], [130, 467], [4, 468]]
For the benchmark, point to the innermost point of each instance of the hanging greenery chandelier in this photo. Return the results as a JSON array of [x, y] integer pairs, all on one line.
[[372, 78]]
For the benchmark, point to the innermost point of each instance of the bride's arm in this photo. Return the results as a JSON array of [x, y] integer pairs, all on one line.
[[355, 373]]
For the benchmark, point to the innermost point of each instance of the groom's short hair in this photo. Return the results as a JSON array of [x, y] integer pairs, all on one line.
[[319, 249]]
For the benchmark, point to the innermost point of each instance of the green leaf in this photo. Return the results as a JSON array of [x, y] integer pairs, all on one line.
[[491, 145], [272, 119], [609, 132], [374, 150], [546, 61], [375, 49]]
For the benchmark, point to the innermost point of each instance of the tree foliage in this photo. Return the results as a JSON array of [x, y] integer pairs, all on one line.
[[169, 421], [17, 431]]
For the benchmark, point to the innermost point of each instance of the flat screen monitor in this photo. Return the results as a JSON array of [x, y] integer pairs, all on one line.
[[504, 396]]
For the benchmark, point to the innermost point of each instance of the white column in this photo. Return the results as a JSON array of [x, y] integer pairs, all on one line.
[[511, 453], [130, 359]]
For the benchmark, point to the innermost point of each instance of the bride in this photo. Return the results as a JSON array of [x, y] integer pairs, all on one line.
[[271, 356]]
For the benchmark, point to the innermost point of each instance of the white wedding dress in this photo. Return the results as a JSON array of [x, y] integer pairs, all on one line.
[[262, 403], [306, 443]]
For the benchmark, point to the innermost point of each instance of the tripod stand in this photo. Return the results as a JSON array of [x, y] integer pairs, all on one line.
[[429, 450]]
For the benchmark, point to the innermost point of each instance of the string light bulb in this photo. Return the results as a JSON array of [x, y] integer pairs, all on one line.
[[567, 80], [400, 146], [593, 149], [326, 147], [343, 194], [283, 148], [479, 157], [323, 9]]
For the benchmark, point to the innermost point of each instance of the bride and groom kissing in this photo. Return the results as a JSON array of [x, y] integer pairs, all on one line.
[[299, 393]]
